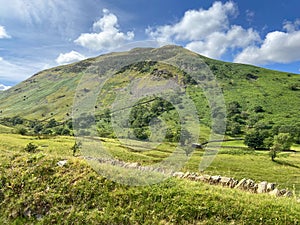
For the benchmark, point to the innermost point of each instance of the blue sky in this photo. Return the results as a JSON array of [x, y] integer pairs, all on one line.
[[35, 35]]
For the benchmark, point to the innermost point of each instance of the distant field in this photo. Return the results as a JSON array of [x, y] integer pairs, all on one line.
[[230, 161]]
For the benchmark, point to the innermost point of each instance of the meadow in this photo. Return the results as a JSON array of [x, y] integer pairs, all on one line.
[[35, 190]]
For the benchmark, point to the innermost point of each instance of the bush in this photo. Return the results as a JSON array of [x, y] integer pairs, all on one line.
[[254, 139], [258, 109], [30, 147], [21, 130]]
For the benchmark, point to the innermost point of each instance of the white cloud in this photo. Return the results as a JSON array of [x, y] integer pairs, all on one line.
[[107, 36], [196, 24], [291, 26], [207, 32], [3, 33], [69, 57], [217, 43], [277, 47], [3, 87]]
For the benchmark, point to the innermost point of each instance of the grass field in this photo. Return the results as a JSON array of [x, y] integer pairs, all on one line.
[[35, 190], [235, 160]]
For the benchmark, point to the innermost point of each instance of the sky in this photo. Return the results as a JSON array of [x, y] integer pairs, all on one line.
[[36, 35]]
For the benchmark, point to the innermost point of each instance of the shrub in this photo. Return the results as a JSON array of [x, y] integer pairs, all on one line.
[[258, 109], [30, 147], [254, 139], [21, 130]]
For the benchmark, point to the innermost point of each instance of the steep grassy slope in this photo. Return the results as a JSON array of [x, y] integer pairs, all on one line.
[[50, 93], [35, 190]]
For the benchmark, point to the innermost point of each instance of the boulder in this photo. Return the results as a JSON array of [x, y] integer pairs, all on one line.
[[192, 176], [225, 181], [233, 183], [214, 179], [275, 192], [241, 184], [178, 174], [62, 163], [282, 192], [288, 194], [250, 185], [206, 178], [262, 187], [133, 165], [199, 178], [270, 187], [186, 175]]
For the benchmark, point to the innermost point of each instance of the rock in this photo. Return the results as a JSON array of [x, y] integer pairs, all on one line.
[[133, 165], [214, 179], [62, 163], [288, 194], [270, 187], [262, 187], [250, 185], [233, 183], [225, 181], [178, 174], [282, 192], [186, 175], [199, 178], [275, 192], [206, 178], [192, 176], [241, 184]]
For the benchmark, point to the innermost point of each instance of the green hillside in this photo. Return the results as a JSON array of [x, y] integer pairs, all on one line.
[[147, 107], [50, 93]]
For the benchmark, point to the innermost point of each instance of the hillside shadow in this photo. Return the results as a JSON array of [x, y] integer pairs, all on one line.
[[286, 164]]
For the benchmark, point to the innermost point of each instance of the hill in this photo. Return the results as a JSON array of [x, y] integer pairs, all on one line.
[[131, 95], [50, 93]]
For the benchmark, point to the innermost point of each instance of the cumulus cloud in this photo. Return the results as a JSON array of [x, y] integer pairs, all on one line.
[[207, 32], [3, 87], [107, 34], [3, 33], [277, 47], [70, 57], [217, 43]]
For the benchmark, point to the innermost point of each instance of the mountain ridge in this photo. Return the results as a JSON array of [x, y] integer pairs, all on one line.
[[50, 93]]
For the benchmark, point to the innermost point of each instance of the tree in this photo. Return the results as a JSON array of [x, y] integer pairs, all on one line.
[[282, 141], [233, 108], [38, 128], [254, 139], [52, 123]]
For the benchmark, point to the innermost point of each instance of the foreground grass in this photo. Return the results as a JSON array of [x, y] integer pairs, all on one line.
[[38, 191], [35, 190]]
